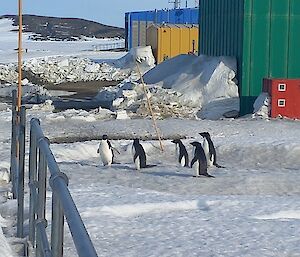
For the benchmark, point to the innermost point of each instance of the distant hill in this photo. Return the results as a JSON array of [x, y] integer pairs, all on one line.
[[52, 28]]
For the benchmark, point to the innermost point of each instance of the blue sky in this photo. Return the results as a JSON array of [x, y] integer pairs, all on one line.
[[110, 12]]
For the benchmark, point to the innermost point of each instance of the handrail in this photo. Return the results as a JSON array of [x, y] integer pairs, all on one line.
[[41, 157], [61, 196]]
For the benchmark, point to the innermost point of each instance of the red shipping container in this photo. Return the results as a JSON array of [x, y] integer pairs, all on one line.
[[285, 97]]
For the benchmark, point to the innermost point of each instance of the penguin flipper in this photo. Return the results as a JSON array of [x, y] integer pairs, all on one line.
[[219, 166], [193, 161]]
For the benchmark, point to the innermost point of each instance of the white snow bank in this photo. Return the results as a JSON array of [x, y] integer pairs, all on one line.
[[6, 251], [262, 106], [142, 55], [185, 86], [30, 92], [200, 79], [4, 176], [292, 214], [131, 210]]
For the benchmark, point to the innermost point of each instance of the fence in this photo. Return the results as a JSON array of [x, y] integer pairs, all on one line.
[[109, 46], [63, 206]]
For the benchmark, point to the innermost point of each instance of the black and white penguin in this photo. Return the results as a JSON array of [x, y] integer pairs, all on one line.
[[181, 153], [139, 155], [199, 161], [209, 150], [106, 151]]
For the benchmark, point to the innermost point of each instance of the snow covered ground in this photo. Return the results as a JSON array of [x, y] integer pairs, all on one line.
[[250, 208], [36, 49]]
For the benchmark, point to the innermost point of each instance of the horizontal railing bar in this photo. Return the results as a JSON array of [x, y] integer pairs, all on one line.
[[59, 184]]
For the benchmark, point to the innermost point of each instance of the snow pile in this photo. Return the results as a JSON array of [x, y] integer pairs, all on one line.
[[79, 115], [72, 69], [165, 102], [141, 55], [8, 73], [262, 106], [186, 86], [30, 92], [200, 79]]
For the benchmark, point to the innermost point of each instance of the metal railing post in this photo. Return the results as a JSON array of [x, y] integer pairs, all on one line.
[[22, 127], [82, 241], [32, 184], [13, 153], [42, 172], [57, 227], [43, 245], [62, 202]]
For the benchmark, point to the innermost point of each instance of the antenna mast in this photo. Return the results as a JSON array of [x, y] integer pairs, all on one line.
[[176, 3]]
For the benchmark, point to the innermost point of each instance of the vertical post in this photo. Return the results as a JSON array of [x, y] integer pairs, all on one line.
[[32, 184], [43, 242], [20, 55], [13, 153], [57, 227], [42, 172], [22, 128]]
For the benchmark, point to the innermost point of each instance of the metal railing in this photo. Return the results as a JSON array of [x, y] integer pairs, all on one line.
[[42, 159], [108, 46]]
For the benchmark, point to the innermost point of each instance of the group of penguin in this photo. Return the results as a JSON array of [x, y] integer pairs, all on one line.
[[204, 155]]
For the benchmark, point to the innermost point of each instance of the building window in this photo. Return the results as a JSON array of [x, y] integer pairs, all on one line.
[[281, 87], [281, 102]]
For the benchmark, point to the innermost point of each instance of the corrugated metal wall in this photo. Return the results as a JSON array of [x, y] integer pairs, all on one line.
[[170, 40], [173, 16], [261, 34]]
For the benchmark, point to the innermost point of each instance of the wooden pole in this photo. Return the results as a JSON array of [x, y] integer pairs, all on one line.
[[19, 102], [150, 108]]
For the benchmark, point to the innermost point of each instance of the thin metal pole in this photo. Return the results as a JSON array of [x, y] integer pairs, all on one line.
[[32, 184], [13, 155], [20, 221], [57, 227], [150, 108], [42, 172], [43, 246], [20, 56], [82, 241]]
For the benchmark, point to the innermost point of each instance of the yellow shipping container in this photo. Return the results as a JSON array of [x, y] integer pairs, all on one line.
[[170, 40]]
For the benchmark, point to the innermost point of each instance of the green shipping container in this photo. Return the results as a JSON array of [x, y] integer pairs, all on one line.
[[262, 34]]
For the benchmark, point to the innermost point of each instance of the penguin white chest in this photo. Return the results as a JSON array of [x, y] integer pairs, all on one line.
[[205, 146], [105, 153]]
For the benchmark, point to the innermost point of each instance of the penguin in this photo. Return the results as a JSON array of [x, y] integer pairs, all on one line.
[[106, 151], [209, 149], [199, 161], [181, 153], [139, 155]]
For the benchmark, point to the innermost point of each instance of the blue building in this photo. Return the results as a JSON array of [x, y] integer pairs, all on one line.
[[136, 23]]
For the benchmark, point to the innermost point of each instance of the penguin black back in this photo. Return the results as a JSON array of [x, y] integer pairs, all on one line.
[[183, 157], [200, 160], [139, 155], [212, 149]]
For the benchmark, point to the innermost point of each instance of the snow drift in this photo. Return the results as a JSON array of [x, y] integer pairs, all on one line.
[[184, 86], [200, 79]]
